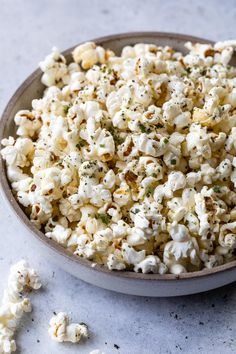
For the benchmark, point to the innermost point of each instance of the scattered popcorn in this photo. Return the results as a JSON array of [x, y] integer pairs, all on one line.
[[22, 278], [61, 330], [130, 161]]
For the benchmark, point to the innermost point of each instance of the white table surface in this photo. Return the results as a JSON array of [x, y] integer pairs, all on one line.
[[204, 323]]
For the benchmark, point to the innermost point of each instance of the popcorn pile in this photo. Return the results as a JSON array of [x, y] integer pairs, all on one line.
[[22, 278], [130, 160]]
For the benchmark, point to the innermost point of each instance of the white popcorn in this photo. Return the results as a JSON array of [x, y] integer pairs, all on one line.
[[29, 124], [100, 196], [88, 54], [200, 208], [197, 145], [230, 144], [207, 173], [16, 153], [7, 344], [21, 278], [102, 239], [131, 256], [101, 145], [150, 146], [182, 251], [136, 236], [176, 181], [115, 262], [70, 208], [151, 264], [181, 207], [130, 160], [59, 234], [22, 275], [120, 229], [228, 240], [224, 169], [192, 178], [122, 195], [109, 179], [61, 330], [54, 68], [225, 44]]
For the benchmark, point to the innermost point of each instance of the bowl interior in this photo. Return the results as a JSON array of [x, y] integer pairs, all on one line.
[[33, 88]]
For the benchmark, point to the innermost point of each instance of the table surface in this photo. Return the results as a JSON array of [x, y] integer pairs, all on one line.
[[204, 323]]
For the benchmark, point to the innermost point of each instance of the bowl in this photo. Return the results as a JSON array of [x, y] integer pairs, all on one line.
[[121, 281]]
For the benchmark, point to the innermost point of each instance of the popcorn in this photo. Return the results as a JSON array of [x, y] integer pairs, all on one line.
[[131, 256], [109, 179], [130, 160], [136, 236], [21, 278], [224, 169], [198, 146], [55, 69], [182, 251], [29, 124], [7, 345], [122, 195], [182, 207], [151, 264], [150, 146], [17, 153], [228, 240], [201, 211], [101, 145], [115, 262], [59, 234], [61, 330], [176, 181], [89, 54], [192, 178]]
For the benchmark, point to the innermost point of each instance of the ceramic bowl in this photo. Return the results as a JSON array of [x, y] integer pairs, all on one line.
[[125, 282]]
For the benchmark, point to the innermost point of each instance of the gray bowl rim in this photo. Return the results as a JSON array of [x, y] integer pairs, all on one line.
[[66, 254]]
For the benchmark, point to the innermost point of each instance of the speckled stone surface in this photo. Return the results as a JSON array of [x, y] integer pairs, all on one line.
[[204, 323]]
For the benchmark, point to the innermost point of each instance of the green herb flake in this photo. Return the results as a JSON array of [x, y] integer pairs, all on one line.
[[159, 125], [216, 189], [66, 109], [104, 218], [166, 141], [150, 190], [80, 144], [102, 145], [173, 162], [142, 128]]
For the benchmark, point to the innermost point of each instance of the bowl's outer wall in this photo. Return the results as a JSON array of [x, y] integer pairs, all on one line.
[[126, 282]]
